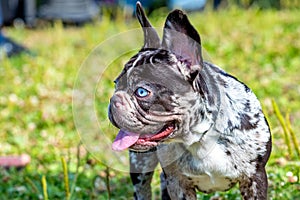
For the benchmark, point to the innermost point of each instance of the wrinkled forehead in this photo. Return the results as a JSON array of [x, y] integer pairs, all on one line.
[[155, 67]]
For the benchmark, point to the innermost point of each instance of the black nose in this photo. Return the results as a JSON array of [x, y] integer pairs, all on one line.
[[111, 117]]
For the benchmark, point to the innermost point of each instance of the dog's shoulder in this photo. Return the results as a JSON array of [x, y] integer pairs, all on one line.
[[237, 106]]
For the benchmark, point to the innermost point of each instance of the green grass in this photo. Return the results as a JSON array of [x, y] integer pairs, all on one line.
[[261, 48]]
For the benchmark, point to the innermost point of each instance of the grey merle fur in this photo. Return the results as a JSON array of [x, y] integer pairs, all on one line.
[[221, 136]]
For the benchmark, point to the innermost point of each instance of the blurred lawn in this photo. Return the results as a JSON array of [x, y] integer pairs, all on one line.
[[261, 48]]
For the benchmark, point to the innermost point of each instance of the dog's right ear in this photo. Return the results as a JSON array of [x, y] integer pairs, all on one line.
[[151, 39]]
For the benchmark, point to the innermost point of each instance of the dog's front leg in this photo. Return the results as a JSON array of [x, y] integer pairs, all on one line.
[[142, 165], [178, 186]]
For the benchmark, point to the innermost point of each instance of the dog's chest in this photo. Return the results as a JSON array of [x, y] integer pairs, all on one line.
[[210, 183], [209, 168], [210, 171]]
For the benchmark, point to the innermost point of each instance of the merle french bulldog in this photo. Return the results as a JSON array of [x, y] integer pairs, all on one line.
[[205, 127]]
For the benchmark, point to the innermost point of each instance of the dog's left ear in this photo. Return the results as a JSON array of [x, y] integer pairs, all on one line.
[[151, 39], [181, 38]]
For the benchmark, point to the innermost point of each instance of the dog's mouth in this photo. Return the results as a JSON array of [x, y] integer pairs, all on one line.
[[136, 141]]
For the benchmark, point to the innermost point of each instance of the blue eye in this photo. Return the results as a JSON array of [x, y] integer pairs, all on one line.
[[142, 92]]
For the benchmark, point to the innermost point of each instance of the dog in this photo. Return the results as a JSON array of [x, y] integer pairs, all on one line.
[[204, 126]]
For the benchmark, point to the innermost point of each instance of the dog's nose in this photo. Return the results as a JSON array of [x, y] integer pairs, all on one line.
[[118, 104], [118, 100]]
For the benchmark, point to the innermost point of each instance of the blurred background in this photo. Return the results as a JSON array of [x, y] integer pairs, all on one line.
[[43, 44], [28, 12]]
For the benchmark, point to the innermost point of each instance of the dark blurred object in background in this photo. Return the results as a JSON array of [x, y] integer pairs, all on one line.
[[216, 4], [69, 11], [24, 11], [8, 47]]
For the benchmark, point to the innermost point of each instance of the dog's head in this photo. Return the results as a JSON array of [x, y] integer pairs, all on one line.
[[156, 98]]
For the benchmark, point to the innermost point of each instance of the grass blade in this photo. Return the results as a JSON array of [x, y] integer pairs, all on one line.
[[77, 169], [33, 186], [66, 177], [44, 184], [107, 182], [293, 135], [285, 131]]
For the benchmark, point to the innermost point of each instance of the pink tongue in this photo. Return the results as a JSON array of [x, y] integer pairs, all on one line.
[[124, 140]]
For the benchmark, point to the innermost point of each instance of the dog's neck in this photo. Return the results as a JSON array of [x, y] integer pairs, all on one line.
[[217, 109], [225, 109]]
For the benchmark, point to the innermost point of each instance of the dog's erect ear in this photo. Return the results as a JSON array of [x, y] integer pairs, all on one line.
[[151, 39], [181, 38]]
